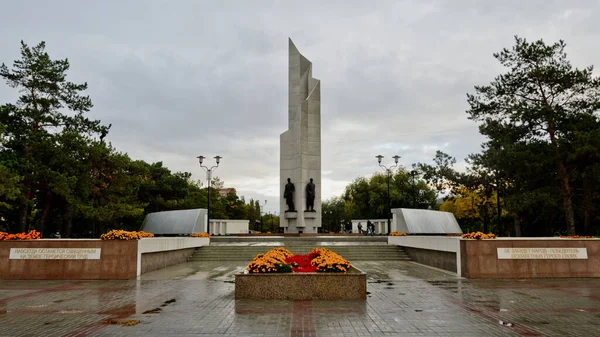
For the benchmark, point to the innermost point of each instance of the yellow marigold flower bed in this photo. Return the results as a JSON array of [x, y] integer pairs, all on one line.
[[576, 237], [117, 234], [281, 260], [200, 235], [397, 234], [478, 236], [269, 261], [329, 261], [31, 235]]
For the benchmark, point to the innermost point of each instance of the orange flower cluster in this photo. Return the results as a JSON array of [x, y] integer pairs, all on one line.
[[274, 261], [397, 234], [454, 234], [117, 234], [576, 237], [478, 236], [329, 261], [200, 235], [270, 262], [32, 235]]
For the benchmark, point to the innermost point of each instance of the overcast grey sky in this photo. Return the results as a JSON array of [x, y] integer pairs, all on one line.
[[178, 79]]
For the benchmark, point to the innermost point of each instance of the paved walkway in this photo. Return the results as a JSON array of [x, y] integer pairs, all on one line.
[[405, 299]]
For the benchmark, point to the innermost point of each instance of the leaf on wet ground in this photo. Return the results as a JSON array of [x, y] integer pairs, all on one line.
[[126, 323], [152, 311], [130, 322]]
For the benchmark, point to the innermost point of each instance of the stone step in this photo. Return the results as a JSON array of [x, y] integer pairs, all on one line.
[[302, 243], [248, 259], [322, 238], [350, 252], [241, 258], [294, 248], [346, 255], [291, 247], [343, 253]]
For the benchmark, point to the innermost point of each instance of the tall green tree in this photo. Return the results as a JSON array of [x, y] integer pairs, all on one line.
[[367, 198], [334, 211], [39, 114], [538, 100]]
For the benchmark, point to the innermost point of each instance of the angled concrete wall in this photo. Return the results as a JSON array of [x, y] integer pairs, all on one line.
[[423, 221]]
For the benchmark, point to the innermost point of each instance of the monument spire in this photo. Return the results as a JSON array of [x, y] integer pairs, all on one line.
[[292, 47], [300, 150]]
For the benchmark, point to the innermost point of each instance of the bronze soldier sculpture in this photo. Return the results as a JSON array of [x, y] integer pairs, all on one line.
[[288, 194], [310, 196]]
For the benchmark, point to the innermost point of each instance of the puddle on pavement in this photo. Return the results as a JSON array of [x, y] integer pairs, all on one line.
[[222, 271], [226, 270]]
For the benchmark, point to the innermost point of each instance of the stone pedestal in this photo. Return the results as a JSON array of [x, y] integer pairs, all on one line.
[[302, 286], [300, 150]]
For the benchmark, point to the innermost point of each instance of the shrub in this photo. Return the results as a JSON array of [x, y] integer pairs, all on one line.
[[31, 235], [117, 234], [200, 235], [478, 236]]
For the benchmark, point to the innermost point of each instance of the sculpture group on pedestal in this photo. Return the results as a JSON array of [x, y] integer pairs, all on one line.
[[288, 195]]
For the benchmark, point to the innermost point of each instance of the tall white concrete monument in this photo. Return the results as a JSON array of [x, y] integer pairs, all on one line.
[[300, 150]]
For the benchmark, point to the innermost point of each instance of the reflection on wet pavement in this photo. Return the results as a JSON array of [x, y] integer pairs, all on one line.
[[383, 270], [405, 299]]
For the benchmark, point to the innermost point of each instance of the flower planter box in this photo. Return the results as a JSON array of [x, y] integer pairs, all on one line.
[[302, 286]]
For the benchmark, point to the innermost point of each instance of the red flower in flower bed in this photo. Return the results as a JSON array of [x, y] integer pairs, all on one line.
[[302, 263]]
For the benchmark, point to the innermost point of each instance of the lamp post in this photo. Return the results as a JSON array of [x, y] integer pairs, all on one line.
[[388, 170], [209, 172], [413, 173], [259, 213]]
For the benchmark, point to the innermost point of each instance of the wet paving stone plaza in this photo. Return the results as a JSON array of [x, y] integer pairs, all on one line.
[[197, 299]]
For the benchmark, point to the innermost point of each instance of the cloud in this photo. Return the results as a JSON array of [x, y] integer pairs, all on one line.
[[185, 78]]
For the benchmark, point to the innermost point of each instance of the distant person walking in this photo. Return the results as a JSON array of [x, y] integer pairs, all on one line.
[[360, 228]]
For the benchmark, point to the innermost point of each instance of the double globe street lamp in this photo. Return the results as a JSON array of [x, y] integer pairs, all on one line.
[[388, 170], [209, 172]]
